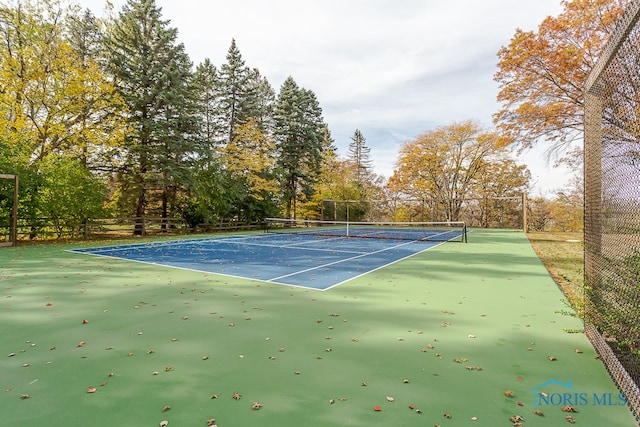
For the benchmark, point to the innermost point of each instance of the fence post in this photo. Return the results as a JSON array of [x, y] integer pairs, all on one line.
[[525, 219], [593, 199], [14, 220]]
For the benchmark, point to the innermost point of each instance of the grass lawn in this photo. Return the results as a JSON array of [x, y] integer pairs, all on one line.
[[563, 256]]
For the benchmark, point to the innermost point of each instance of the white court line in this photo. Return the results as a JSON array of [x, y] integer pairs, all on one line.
[[343, 260], [364, 273], [232, 240], [239, 241], [291, 246]]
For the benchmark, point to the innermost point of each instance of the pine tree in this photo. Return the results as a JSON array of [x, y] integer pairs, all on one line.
[[152, 74], [300, 135], [234, 102], [85, 36], [359, 156], [208, 105], [244, 96], [259, 103], [233, 86]]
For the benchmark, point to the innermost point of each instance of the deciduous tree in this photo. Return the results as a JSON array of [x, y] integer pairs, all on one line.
[[541, 75], [55, 98], [498, 192], [443, 165], [100, 116], [250, 161], [69, 193]]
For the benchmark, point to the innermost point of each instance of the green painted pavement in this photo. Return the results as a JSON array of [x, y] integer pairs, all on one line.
[[445, 332]]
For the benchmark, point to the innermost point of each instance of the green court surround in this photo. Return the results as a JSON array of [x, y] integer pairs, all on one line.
[[447, 331]]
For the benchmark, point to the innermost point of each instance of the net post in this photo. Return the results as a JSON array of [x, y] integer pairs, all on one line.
[[347, 218]]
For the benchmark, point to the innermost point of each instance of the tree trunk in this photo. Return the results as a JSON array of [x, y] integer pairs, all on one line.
[[139, 229], [165, 197]]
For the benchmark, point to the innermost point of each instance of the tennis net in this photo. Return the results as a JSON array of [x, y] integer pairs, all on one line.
[[427, 231]]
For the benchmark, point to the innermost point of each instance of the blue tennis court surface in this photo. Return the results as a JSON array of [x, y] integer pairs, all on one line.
[[288, 259]]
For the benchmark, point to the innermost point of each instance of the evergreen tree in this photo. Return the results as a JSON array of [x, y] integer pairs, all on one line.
[[358, 154], [208, 105], [244, 96], [300, 138], [85, 36], [233, 86], [152, 74], [211, 189], [235, 101], [259, 104]]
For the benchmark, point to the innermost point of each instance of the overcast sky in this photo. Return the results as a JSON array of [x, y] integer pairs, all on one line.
[[391, 68]]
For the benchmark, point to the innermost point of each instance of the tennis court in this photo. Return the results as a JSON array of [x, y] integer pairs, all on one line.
[[436, 338], [309, 257]]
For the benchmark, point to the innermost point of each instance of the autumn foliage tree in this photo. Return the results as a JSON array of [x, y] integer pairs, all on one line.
[[444, 165], [340, 185], [250, 160], [58, 110], [110, 113], [52, 98], [498, 192], [541, 75], [564, 212]]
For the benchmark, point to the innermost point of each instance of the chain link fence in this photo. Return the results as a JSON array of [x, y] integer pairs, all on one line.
[[612, 206], [488, 212]]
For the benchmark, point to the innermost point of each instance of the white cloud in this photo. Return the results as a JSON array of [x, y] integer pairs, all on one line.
[[391, 68]]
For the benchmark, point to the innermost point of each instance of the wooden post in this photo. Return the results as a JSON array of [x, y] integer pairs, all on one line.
[[14, 220], [525, 225], [13, 234]]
